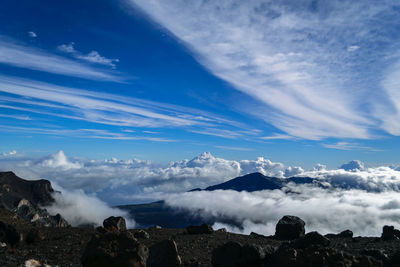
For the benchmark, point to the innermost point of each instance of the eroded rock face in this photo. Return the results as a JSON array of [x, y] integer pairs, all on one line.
[[114, 249], [164, 253], [290, 227], [29, 212], [114, 224], [202, 229], [8, 234]]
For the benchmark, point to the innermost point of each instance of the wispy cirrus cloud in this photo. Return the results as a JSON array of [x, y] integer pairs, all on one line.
[[313, 66], [29, 97], [349, 146], [22, 56], [92, 57]]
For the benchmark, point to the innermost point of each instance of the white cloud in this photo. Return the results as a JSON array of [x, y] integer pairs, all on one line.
[[353, 48], [326, 211], [349, 146], [92, 57], [32, 34], [292, 58], [122, 181], [103, 108], [79, 208], [27, 57], [10, 153]]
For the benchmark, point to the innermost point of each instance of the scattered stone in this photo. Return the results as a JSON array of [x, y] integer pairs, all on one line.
[[312, 239], [164, 253], [114, 249], [290, 227], [34, 235], [32, 263], [221, 230], [376, 253], [234, 254], [8, 234], [141, 234], [154, 227], [114, 224], [202, 229]]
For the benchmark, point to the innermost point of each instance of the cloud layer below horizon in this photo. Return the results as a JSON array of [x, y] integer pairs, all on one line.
[[365, 206]]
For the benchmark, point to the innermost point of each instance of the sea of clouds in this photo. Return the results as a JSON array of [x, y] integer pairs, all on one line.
[[367, 201]]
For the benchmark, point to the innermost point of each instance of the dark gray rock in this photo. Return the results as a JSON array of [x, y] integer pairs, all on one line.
[[345, 234], [234, 254], [164, 253], [8, 234], [312, 239], [34, 235], [289, 227], [114, 224], [141, 234], [389, 233], [114, 249], [202, 229]]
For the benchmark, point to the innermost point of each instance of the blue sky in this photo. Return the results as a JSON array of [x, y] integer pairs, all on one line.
[[300, 83]]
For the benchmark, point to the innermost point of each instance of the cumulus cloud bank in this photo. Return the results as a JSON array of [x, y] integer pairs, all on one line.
[[326, 211], [353, 196], [79, 208]]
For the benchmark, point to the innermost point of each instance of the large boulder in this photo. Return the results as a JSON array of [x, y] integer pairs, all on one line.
[[164, 253], [290, 227], [389, 233], [202, 229], [114, 224], [114, 249], [8, 234], [233, 254], [312, 239]]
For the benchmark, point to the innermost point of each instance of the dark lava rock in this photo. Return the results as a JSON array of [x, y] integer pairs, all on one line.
[[312, 239], [234, 254], [114, 249], [202, 229], [345, 234], [34, 235], [164, 253], [114, 224], [141, 234], [13, 189], [8, 234], [376, 253], [314, 256], [290, 227], [389, 233]]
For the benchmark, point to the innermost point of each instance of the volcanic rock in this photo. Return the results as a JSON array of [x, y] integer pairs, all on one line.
[[289, 227], [34, 235], [234, 254], [345, 234], [389, 233], [202, 229], [312, 239], [114, 249], [114, 224], [8, 234], [141, 234], [164, 253]]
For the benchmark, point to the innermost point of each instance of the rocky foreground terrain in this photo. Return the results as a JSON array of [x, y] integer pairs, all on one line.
[[35, 238]]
